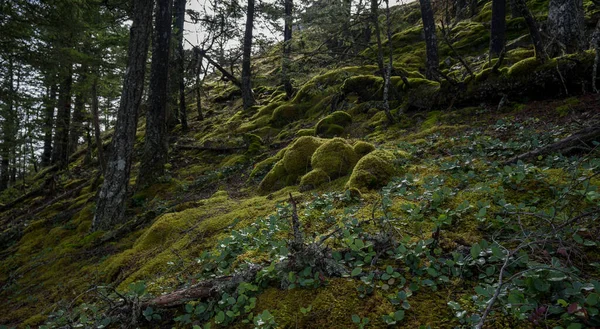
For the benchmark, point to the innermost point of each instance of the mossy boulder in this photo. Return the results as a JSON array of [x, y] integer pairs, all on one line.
[[367, 87], [333, 124], [305, 132], [275, 179], [297, 158], [362, 148], [372, 171], [313, 179], [285, 114], [335, 157]]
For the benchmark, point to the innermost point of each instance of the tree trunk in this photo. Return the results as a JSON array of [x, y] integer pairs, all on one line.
[[387, 77], [565, 26], [76, 130], [199, 85], [498, 27], [110, 207], [432, 61], [156, 147], [460, 9], [48, 124], [60, 152], [177, 75], [375, 20], [287, 48], [6, 148], [96, 123], [534, 31], [247, 96], [514, 9]]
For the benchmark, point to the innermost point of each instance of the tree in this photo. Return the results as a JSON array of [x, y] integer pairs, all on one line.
[[176, 75], [60, 151], [432, 62], [375, 22], [565, 26], [498, 27], [156, 147], [79, 115], [110, 207], [247, 96], [287, 48], [48, 125], [534, 31]]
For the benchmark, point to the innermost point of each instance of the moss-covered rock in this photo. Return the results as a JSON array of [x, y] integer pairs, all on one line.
[[285, 114], [313, 179], [335, 157], [372, 171], [333, 124], [362, 148], [305, 132], [274, 180], [367, 87], [297, 158], [254, 143]]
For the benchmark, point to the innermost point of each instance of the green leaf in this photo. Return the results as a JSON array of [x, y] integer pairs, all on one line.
[[475, 250], [389, 270], [399, 315], [355, 318], [356, 271], [592, 299], [220, 317], [454, 306]]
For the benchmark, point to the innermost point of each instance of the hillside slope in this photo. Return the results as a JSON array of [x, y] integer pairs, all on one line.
[[314, 212]]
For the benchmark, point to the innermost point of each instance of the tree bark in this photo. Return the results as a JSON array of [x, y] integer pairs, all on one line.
[[76, 129], [96, 124], [375, 20], [534, 31], [6, 148], [110, 207], [247, 96], [565, 26], [156, 147], [498, 27], [48, 124], [287, 48], [177, 77], [514, 9], [432, 61], [199, 59], [60, 152]]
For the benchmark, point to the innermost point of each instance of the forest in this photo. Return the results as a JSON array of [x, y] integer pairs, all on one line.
[[299, 164]]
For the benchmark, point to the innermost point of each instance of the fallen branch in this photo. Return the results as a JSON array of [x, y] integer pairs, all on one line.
[[579, 140]]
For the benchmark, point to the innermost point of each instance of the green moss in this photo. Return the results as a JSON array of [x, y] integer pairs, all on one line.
[[432, 120], [362, 148], [367, 87], [372, 171], [523, 67], [254, 143], [297, 158], [285, 114], [333, 124], [305, 132], [313, 179], [335, 157]]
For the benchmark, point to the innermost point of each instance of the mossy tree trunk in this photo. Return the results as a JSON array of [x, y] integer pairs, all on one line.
[[534, 31], [110, 207], [565, 27], [498, 28], [156, 147], [247, 96], [48, 126], [60, 150], [287, 48], [432, 61], [177, 75]]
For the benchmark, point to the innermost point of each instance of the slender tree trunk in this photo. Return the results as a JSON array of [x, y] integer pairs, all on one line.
[[247, 96], [498, 27], [565, 26], [110, 207], [156, 147], [6, 148], [287, 48], [199, 81], [63, 117], [96, 123], [534, 31], [432, 60], [48, 125], [375, 20], [388, 73], [177, 77], [76, 129], [514, 9]]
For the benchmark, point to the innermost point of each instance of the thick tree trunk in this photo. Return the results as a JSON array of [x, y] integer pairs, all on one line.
[[534, 31], [177, 75], [76, 129], [432, 61], [110, 207], [60, 151], [96, 124], [498, 27], [247, 96], [287, 48], [48, 125], [156, 147], [565, 27]]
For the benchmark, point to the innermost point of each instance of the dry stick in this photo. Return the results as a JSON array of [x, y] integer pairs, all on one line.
[[460, 58]]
